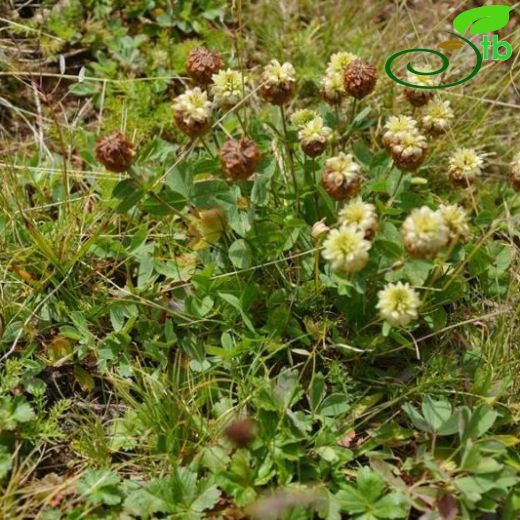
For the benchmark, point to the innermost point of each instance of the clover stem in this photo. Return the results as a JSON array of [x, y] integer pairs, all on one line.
[[291, 160]]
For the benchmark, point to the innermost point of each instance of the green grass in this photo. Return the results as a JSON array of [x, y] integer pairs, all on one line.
[[126, 351]]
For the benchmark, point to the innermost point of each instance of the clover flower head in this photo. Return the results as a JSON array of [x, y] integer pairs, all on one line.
[[303, 116], [409, 151], [465, 165], [410, 144], [359, 214], [314, 130], [227, 88], [343, 167], [398, 304], [341, 176], [333, 87], [278, 82], [425, 232], [396, 127], [276, 73], [346, 249], [339, 61], [456, 219], [193, 105], [437, 116]]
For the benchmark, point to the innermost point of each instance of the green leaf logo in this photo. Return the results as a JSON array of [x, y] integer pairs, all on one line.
[[487, 18]]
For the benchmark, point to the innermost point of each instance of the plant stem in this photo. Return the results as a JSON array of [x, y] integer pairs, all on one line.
[[314, 184], [396, 189], [202, 140], [291, 160], [352, 111]]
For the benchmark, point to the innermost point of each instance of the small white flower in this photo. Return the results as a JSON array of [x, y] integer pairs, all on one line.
[[339, 61], [398, 304], [346, 249], [227, 88], [314, 130], [193, 105], [319, 229], [437, 116], [465, 165], [424, 232], [359, 214], [333, 87], [277, 74], [301, 117], [396, 127], [342, 168], [456, 218]]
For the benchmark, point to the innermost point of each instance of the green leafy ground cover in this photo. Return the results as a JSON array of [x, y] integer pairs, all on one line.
[[173, 343]]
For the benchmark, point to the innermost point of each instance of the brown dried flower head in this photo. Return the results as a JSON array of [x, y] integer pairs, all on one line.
[[418, 97], [115, 152], [202, 64], [360, 78], [239, 158]]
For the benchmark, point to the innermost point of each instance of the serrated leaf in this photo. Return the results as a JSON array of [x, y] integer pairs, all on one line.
[[391, 506], [99, 486], [369, 483], [351, 500]]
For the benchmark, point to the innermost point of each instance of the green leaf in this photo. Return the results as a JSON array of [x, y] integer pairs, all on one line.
[[417, 419], [13, 411], [334, 405], [142, 504], [480, 422], [6, 462], [240, 254], [100, 486], [393, 505], [436, 413], [206, 500], [488, 18], [316, 391], [235, 302], [369, 483], [351, 500]]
